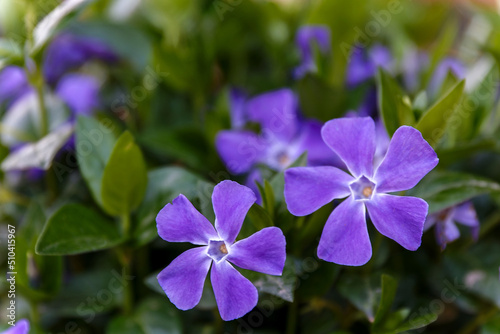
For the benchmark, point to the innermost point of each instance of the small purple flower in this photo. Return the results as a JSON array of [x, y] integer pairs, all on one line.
[[67, 52], [13, 84], [306, 37], [283, 138], [22, 326], [453, 65], [80, 93], [183, 279], [345, 237], [364, 63], [445, 221]]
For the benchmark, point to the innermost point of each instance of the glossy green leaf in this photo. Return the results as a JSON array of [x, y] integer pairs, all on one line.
[[394, 105], [124, 179], [94, 143], [48, 26], [75, 229], [362, 292], [434, 121], [40, 154], [444, 189], [165, 184]]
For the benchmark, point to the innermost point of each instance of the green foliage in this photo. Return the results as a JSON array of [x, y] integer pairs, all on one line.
[[75, 229], [124, 178]]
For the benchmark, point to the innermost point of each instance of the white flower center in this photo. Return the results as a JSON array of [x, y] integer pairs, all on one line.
[[362, 189], [217, 250]]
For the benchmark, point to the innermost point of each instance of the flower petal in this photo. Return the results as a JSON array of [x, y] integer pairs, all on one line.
[[309, 188], [400, 218], [345, 237], [235, 295], [79, 92], [353, 139], [318, 153], [276, 111], [239, 150], [183, 279], [231, 203], [264, 251], [22, 326], [409, 158], [466, 215], [446, 232], [181, 222]]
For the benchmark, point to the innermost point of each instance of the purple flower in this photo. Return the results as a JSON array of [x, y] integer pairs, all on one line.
[[283, 138], [183, 279], [67, 52], [80, 93], [306, 37], [13, 84], [237, 100], [364, 63], [445, 221], [22, 326], [345, 237], [455, 66]]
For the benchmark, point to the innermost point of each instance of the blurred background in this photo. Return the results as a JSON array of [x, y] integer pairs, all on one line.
[[75, 75]]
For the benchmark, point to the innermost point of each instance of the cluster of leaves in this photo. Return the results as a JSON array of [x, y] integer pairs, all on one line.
[[87, 249]]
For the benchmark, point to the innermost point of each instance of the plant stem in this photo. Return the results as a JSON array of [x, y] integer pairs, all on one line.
[[43, 108], [291, 323], [125, 258], [125, 221]]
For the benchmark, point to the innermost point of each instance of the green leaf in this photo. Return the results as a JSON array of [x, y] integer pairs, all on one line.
[[444, 189], [94, 144], [434, 121], [389, 287], [75, 229], [362, 292], [124, 325], [38, 277], [39, 154], [48, 26], [394, 105], [165, 184], [124, 179], [415, 322], [10, 52]]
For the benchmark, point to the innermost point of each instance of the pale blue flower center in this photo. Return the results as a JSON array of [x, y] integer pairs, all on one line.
[[217, 250], [362, 189]]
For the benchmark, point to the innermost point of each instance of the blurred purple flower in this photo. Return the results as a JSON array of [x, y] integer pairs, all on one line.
[[22, 327], [13, 84], [364, 63], [345, 237], [237, 100], [445, 221], [80, 93], [283, 138], [67, 52], [447, 65], [183, 279], [305, 39]]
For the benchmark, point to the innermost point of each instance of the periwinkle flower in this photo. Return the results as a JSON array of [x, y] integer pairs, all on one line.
[[13, 84], [306, 38], [183, 279], [363, 63], [22, 326], [80, 93], [283, 138], [445, 221], [345, 237], [447, 65], [67, 52]]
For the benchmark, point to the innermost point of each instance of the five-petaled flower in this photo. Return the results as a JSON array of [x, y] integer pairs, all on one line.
[[183, 279], [445, 220], [21, 327], [345, 237]]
